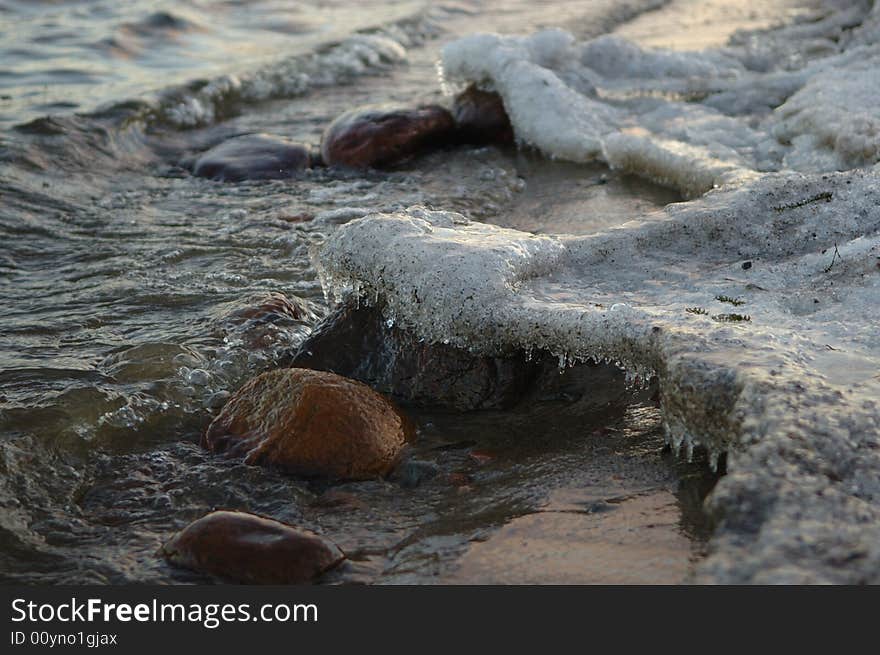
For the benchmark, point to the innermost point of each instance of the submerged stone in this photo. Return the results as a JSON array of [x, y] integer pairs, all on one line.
[[311, 423], [273, 306], [413, 472], [251, 549], [266, 320], [356, 342], [252, 157], [480, 117], [372, 137]]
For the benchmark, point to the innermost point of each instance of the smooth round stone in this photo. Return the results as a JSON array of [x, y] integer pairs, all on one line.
[[251, 549], [252, 157], [311, 423], [373, 137]]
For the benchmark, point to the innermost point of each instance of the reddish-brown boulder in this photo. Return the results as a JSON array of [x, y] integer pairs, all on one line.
[[251, 549], [480, 117], [311, 423], [372, 137]]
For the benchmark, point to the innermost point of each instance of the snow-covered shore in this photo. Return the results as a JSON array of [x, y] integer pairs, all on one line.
[[754, 303]]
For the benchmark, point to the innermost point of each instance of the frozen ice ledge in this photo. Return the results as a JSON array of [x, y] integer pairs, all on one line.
[[755, 304]]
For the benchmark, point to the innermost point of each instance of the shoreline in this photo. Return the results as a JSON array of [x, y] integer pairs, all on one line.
[[690, 300]]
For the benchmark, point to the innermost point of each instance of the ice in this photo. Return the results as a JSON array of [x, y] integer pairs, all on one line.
[[608, 99], [833, 122], [779, 154]]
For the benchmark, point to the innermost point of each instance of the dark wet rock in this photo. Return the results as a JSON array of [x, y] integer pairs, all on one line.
[[413, 472], [251, 549], [356, 342], [372, 137], [216, 400], [252, 157], [480, 117], [311, 423]]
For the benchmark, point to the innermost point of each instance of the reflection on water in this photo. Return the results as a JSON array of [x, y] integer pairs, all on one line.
[[73, 56]]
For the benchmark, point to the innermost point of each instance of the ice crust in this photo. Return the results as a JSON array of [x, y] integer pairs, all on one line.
[[785, 221], [633, 108]]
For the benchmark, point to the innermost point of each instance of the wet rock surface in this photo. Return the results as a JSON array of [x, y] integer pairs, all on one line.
[[252, 157], [311, 423], [480, 117], [357, 343], [251, 549], [382, 135]]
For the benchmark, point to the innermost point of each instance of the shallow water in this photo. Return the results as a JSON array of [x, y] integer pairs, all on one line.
[[121, 277]]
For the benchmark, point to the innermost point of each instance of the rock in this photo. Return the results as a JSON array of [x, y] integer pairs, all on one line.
[[372, 137], [311, 423], [481, 118], [251, 549], [252, 157], [271, 307], [356, 342], [266, 321], [413, 472]]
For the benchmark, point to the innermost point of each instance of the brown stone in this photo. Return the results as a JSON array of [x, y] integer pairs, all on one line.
[[480, 117], [252, 157], [372, 137], [251, 549], [311, 423]]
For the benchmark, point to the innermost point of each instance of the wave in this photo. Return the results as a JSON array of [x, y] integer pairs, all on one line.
[[203, 103]]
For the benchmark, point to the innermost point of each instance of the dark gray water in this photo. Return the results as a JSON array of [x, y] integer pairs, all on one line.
[[121, 275]]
